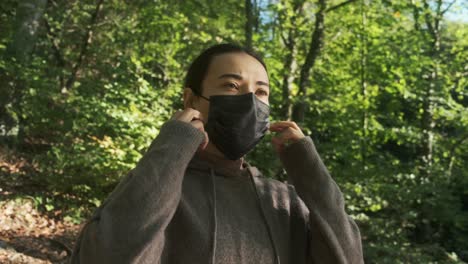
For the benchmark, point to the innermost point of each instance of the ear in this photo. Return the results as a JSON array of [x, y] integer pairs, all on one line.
[[189, 97]]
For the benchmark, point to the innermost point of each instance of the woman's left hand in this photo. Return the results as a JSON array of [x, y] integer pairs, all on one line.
[[288, 133]]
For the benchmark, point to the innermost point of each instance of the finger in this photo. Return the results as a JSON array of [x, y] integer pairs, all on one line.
[[190, 114], [284, 139], [282, 127], [277, 128], [198, 116], [205, 142], [198, 124], [284, 124], [286, 134]]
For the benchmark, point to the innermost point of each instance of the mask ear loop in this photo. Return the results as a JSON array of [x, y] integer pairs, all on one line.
[[199, 95]]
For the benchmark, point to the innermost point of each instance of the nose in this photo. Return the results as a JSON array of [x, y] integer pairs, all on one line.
[[246, 88]]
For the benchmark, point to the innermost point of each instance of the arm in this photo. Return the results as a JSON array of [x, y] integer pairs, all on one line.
[[334, 236], [130, 225]]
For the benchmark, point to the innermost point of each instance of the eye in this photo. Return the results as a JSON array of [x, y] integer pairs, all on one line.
[[231, 85], [261, 92]]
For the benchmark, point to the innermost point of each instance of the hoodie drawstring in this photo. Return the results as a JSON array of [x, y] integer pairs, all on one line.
[[215, 222], [270, 233]]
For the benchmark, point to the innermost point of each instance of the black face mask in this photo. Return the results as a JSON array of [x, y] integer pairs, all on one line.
[[236, 123]]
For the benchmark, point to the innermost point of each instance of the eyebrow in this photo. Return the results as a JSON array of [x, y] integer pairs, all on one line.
[[238, 77]]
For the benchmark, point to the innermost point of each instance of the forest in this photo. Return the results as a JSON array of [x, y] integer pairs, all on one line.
[[379, 85]]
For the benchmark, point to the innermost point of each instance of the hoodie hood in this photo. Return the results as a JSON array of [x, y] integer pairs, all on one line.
[[222, 167]]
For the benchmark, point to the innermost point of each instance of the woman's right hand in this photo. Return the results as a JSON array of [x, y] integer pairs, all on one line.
[[195, 118]]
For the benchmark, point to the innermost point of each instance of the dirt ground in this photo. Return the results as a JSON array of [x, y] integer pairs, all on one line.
[[29, 235]]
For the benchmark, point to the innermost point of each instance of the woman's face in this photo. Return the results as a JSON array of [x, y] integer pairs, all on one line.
[[232, 74]]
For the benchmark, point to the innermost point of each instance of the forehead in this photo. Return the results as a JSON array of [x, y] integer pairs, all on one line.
[[238, 63]]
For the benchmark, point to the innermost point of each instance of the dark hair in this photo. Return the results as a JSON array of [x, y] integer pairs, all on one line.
[[197, 70]]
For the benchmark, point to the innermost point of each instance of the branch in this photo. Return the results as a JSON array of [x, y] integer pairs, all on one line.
[[416, 18], [249, 23], [438, 16], [457, 144], [84, 46], [56, 50], [55, 47], [427, 17], [283, 38], [297, 10], [448, 7], [316, 44], [339, 5]]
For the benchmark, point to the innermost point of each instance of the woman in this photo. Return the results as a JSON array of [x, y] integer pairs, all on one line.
[[193, 199]]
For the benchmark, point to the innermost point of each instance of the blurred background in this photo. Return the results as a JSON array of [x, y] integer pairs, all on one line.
[[380, 86]]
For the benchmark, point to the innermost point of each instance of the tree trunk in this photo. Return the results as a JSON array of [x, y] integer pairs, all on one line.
[[26, 26], [249, 24], [290, 62], [432, 22], [84, 48], [290, 67], [315, 47], [28, 18], [364, 121], [430, 32]]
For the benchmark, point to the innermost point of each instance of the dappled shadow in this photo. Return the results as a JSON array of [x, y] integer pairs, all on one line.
[[55, 249], [29, 233]]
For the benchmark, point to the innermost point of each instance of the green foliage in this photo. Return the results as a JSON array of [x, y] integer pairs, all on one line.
[[87, 123]]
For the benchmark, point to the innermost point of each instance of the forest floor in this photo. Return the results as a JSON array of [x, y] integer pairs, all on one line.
[[29, 231]]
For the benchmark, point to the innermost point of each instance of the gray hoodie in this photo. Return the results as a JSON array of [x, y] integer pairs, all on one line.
[[177, 206]]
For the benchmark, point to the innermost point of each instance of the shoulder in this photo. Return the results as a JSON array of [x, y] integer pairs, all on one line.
[[269, 183], [278, 190]]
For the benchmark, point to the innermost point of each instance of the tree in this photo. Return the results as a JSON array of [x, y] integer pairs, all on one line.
[[26, 26]]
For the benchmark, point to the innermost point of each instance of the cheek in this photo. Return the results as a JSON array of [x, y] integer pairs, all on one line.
[[204, 109], [201, 106], [264, 99]]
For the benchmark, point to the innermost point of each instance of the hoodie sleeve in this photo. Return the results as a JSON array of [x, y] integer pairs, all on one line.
[[129, 226], [334, 236]]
